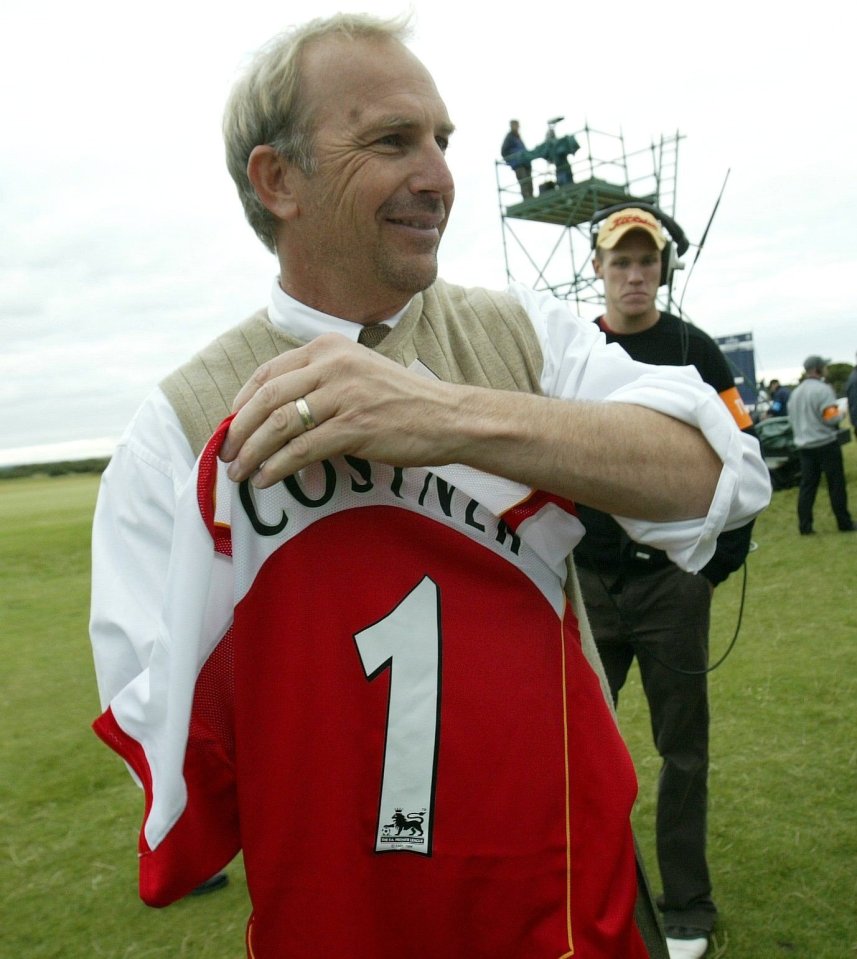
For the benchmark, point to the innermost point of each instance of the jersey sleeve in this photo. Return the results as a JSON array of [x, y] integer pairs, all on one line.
[[161, 722], [131, 539]]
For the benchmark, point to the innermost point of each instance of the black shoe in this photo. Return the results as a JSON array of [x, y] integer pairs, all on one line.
[[210, 885], [848, 529], [807, 532]]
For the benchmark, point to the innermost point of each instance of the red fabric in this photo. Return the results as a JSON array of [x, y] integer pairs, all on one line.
[[310, 740], [532, 504], [206, 488], [205, 838]]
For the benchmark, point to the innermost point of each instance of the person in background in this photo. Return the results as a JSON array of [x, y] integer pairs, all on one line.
[[815, 417], [511, 150], [779, 399], [642, 605], [556, 156], [377, 467], [851, 394]]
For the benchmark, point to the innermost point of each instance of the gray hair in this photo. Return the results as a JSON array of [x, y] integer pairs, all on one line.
[[266, 106]]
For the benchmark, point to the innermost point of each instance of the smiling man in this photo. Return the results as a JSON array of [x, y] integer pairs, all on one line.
[[361, 225], [333, 618]]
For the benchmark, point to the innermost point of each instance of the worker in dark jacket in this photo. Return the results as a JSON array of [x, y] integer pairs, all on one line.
[[512, 152]]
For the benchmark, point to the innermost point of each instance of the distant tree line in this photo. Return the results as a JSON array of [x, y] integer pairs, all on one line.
[[61, 468]]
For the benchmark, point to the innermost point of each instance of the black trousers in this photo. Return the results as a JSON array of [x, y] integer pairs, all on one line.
[[662, 618], [813, 462]]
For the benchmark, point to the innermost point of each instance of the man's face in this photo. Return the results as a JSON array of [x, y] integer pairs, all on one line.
[[631, 272], [370, 218]]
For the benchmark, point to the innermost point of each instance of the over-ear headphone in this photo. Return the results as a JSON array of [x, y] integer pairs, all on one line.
[[669, 254]]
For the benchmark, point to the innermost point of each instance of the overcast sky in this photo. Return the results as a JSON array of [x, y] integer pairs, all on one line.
[[123, 246]]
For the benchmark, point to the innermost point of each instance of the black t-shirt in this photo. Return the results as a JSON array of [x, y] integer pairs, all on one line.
[[673, 342]]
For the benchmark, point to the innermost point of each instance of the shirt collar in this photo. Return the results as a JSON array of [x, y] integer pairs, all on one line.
[[305, 324]]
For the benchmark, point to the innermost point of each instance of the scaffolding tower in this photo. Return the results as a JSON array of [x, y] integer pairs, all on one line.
[[547, 238]]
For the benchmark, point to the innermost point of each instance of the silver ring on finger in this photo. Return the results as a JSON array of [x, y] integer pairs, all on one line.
[[305, 414]]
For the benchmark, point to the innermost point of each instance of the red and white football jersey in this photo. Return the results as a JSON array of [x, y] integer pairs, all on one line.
[[371, 682]]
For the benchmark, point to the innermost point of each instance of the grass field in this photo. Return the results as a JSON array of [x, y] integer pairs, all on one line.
[[783, 817]]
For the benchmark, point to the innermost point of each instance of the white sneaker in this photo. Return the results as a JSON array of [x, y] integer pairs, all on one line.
[[687, 948]]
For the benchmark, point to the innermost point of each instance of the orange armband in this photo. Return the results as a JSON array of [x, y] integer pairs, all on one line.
[[735, 405]]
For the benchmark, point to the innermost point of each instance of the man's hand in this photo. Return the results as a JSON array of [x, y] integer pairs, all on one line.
[[362, 403], [620, 458]]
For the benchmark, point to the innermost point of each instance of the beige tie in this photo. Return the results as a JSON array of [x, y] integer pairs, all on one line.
[[371, 336]]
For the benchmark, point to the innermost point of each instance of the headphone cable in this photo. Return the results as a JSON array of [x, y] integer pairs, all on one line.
[[676, 669]]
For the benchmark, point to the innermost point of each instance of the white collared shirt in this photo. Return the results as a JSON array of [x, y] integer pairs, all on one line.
[[304, 323]]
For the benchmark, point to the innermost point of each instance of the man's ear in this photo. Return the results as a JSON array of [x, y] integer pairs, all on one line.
[[596, 265], [272, 178]]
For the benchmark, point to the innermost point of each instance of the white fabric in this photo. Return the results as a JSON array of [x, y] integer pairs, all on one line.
[[132, 530]]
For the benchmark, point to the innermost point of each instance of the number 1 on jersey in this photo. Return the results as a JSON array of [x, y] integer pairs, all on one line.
[[407, 642]]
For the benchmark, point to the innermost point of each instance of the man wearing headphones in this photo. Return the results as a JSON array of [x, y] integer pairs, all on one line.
[[639, 602]]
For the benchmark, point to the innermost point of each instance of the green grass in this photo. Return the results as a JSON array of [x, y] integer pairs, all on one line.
[[783, 826], [783, 783], [69, 814]]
